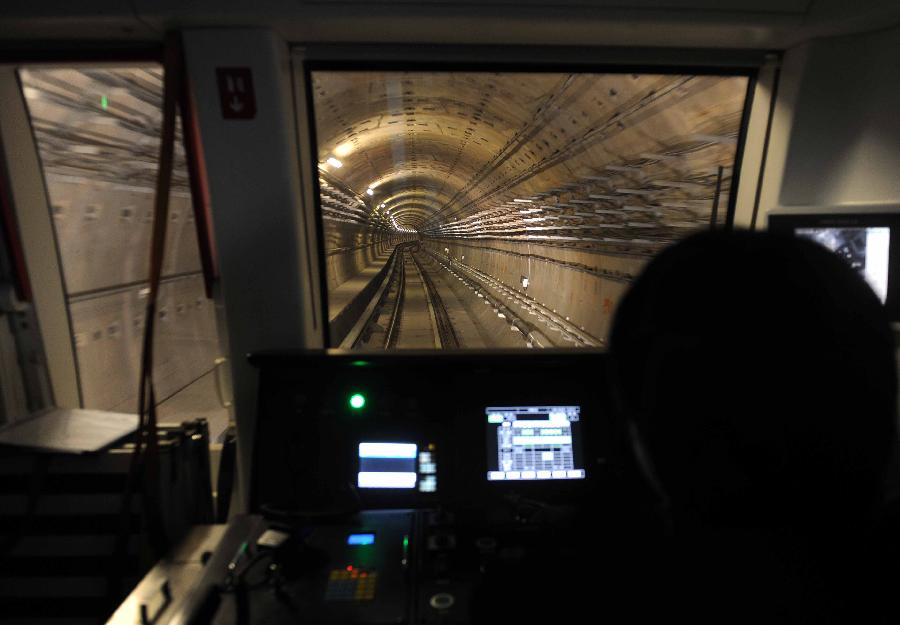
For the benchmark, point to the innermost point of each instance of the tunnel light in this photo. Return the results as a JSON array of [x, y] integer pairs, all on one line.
[[344, 149], [525, 282], [523, 201], [369, 191], [334, 162]]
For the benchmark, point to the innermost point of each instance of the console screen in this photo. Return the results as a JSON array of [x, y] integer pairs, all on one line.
[[397, 465], [534, 443], [387, 465], [866, 249]]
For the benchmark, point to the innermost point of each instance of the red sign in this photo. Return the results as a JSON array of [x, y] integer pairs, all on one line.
[[236, 92]]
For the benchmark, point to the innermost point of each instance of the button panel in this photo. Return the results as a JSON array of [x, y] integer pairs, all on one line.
[[351, 585]]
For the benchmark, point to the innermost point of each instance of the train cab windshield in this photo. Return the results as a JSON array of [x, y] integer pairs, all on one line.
[[509, 209]]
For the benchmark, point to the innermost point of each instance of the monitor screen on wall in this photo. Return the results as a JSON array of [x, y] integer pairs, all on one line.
[[868, 242]]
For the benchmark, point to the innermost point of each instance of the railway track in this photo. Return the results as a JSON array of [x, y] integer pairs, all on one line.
[[507, 300], [407, 312], [393, 326], [445, 332], [369, 332]]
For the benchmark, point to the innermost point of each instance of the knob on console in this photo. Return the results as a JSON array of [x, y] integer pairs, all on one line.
[[442, 601]]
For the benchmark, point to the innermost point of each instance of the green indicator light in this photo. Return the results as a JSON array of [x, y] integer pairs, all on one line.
[[405, 561], [357, 401], [360, 363], [104, 102]]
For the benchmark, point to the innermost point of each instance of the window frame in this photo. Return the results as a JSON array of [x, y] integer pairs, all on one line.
[[506, 59]]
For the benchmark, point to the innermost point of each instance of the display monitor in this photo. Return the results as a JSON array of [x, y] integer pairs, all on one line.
[[868, 242], [867, 250], [387, 465], [397, 466], [527, 443]]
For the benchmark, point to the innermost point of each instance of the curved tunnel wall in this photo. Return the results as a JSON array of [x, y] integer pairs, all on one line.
[[351, 249]]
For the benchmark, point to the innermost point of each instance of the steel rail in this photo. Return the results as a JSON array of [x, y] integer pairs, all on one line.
[[446, 333], [393, 329]]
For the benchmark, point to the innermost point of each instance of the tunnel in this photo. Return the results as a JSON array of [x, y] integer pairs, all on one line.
[[504, 210]]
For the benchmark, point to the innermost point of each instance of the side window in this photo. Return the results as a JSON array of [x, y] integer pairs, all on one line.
[[97, 131]]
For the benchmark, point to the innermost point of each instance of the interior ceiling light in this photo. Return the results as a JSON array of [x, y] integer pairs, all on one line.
[[369, 191], [334, 162]]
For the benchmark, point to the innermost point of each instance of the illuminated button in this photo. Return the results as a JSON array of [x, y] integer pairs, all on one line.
[[513, 475], [357, 401], [576, 473], [559, 475], [361, 539], [496, 475], [528, 475], [543, 475]]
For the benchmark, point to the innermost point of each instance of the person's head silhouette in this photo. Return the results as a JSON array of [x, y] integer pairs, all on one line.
[[756, 374]]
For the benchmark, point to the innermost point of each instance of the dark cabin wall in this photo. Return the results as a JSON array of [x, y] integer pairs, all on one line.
[[836, 135]]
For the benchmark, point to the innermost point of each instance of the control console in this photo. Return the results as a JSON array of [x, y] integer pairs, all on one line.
[[400, 488]]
